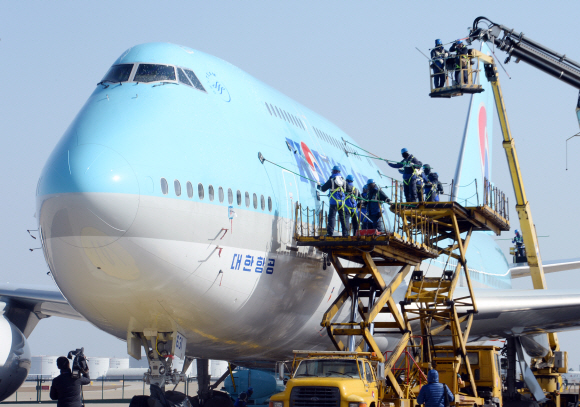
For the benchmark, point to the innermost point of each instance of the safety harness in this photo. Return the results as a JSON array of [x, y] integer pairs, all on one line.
[[337, 187]]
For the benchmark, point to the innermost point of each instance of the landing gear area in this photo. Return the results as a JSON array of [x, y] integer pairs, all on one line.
[[160, 349]]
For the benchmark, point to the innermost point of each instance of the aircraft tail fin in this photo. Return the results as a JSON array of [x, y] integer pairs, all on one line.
[[474, 164]]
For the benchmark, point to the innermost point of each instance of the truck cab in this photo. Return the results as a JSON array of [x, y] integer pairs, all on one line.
[[340, 379]]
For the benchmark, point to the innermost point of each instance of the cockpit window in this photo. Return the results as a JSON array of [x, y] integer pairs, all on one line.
[[154, 73], [182, 77], [194, 80], [118, 73]]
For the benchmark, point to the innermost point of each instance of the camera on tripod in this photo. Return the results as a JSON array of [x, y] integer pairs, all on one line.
[[79, 364]]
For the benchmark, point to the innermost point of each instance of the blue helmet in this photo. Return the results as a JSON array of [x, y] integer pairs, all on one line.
[[438, 42], [459, 42], [336, 168], [517, 232], [404, 150], [370, 181], [350, 178]]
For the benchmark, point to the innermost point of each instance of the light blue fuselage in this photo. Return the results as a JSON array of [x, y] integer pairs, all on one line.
[[129, 256]]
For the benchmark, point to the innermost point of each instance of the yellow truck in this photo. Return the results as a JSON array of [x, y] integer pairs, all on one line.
[[332, 379], [357, 379]]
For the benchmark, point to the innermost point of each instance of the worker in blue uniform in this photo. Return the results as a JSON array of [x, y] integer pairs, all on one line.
[[336, 186], [431, 185], [351, 204], [518, 240], [243, 398], [409, 165], [375, 199], [438, 55], [435, 394], [461, 61], [363, 215]]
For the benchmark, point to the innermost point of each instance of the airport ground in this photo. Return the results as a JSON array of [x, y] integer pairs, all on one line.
[[112, 393]]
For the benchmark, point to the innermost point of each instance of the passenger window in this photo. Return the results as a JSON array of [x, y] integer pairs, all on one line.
[[154, 73], [279, 114], [118, 73], [268, 107], [221, 194], [230, 196], [255, 201], [189, 189], [210, 192], [247, 200], [262, 202], [193, 79], [164, 186], [200, 192], [239, 197], [177, 186], [269, 204], [182, 77], [274, 111]]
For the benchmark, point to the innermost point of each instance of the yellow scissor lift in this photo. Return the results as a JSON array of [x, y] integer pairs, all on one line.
[[429, 309]]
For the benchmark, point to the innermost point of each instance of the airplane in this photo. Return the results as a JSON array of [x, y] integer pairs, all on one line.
[[168, 206]]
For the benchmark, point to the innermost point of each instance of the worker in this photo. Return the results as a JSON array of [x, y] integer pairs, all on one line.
[[432, 187], [409, 165], [363, 214], [461, 61], [351, 203], [375, 199], [435, 394], [519, 242], [438, 55], [336, 185], [66, 389], [242, 400]]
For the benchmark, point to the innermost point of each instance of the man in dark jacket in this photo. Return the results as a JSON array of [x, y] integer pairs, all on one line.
[[461, 61], [432, 187], [375, 197], [65, 388], [438, 55], [351, 204], [336, 185], [408, 166], [433, 393]]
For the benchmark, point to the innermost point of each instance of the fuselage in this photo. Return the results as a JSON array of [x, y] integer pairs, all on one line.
[[156, 212]]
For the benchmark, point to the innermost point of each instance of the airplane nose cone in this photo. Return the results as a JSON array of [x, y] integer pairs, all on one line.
[[88, 196]]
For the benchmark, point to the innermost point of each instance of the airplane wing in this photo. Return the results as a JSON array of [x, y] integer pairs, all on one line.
[[44, 301], [505, 313], [519, 270]]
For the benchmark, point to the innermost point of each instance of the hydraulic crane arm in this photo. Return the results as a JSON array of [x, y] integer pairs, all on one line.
[[524, 49]]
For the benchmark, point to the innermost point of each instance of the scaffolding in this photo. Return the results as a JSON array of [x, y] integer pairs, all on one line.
[[429, 313]]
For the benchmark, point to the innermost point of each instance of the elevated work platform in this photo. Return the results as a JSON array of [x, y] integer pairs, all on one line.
[[429, 307]]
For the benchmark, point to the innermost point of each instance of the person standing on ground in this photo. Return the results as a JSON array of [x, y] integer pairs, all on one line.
[[433, 394], [66, 389]]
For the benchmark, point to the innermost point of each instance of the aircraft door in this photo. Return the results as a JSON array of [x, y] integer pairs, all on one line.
[[292, 196]]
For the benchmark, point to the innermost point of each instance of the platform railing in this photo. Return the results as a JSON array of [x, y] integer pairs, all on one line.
[[409, 224], [468, 73], [495, 199]]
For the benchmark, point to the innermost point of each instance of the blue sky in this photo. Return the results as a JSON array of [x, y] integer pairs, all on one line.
[[353, 62]]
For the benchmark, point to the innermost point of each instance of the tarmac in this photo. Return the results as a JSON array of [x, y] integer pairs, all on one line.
[[111, 393]]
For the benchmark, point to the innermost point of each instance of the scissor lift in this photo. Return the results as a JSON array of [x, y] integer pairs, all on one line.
[[429, 309]]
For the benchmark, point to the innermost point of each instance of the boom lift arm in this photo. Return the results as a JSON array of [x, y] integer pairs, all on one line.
[[524, 49]]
